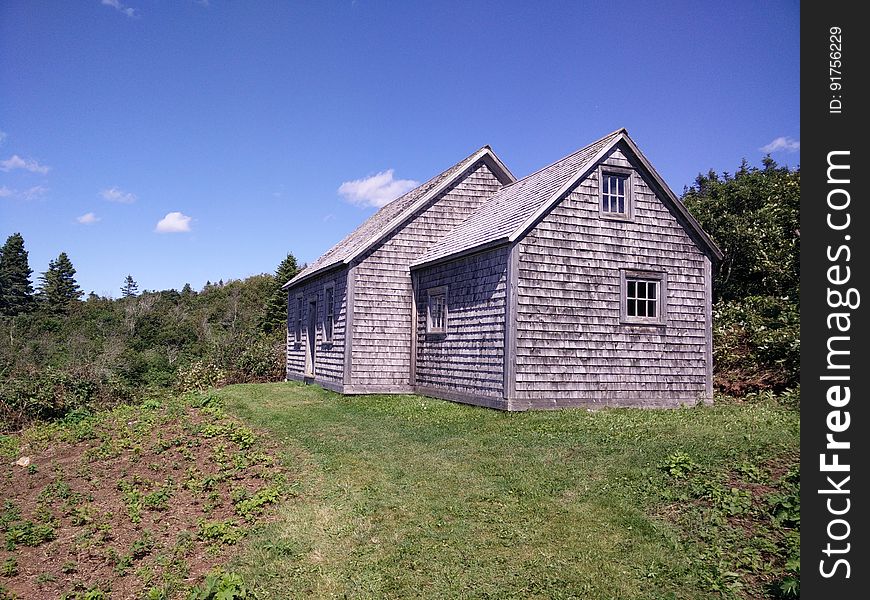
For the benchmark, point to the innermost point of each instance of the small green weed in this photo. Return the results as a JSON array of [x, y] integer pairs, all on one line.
[[224, 532], [220, 585], [248, 508], [679, 464], [9, 568], [28, 533]]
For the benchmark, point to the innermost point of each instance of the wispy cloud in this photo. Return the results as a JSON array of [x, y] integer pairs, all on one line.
[[782, 144], [122, 8], [32, 193], [28, 164], [114, 194], [2, 136], [377, 190], [88, 218], [174, 222]]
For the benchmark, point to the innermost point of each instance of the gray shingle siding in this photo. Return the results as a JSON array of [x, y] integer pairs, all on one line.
[[328, 357], [469, 359], [572, 349]]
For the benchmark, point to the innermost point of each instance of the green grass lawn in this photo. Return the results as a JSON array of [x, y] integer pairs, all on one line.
[[404, 496]]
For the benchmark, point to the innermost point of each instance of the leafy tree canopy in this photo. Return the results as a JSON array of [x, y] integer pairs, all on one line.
[[754, 217]]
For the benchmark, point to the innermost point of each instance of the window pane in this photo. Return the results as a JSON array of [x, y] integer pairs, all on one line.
[[653, 286], [641, 309], [632, 289], [631, 308], [651, 308], [620, 185], [621, 205]]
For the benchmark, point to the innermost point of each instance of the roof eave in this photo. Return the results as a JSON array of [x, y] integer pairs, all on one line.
[[297, 280], [461, 253]]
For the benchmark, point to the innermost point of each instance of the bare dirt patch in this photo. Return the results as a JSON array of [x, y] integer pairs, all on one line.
[[136, 501]]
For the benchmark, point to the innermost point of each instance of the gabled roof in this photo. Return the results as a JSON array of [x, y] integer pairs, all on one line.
[[380, 224], [516, 207]]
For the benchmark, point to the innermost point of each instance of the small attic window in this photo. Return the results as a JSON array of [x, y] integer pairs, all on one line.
[[615, 198]]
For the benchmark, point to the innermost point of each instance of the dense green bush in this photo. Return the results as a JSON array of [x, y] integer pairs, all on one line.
[[756, 344], [51, 393], [754, 217]]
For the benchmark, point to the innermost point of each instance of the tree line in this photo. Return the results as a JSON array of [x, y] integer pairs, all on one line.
[[62, 351]]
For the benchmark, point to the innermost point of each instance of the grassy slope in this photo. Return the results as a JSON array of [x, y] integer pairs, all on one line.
[[403, 496]]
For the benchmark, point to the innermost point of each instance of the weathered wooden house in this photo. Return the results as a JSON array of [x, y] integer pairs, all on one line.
[[586, 283]]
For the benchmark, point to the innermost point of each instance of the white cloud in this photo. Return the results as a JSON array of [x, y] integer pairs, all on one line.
[[377, 190], [28, 194], [88, 218], [114, 194], [34, 192], [116, 4], [28, 164], [174, 222], [782, 144]]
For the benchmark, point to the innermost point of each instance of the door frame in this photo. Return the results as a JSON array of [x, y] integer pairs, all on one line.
[[311, 337]]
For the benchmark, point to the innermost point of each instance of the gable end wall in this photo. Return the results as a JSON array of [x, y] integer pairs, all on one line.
[[571, 348]]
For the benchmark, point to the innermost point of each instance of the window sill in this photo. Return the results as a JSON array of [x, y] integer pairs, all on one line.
[[643, 323]]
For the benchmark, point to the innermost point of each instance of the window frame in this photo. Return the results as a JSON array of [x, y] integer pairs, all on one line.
[[660, 277], [300, 305], [431, 293], [605, 171], [328, 313]]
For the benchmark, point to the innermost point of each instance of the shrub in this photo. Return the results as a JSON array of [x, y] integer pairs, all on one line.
[[45, 394], [199, 376], [756, 344]]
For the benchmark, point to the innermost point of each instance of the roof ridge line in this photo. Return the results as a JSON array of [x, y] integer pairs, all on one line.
[[621, 130]]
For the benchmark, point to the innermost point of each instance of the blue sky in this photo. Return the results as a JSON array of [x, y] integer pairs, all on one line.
[[184, 141]]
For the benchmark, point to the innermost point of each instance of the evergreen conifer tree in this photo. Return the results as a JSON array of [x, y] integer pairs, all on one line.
[[276, 305], [130, 289], [16, 289], [59, 287]]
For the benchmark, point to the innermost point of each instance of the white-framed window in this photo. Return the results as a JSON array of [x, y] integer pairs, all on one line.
[[328, 312], [644, 297], [436, 310], [615, 197], [299, 306]]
